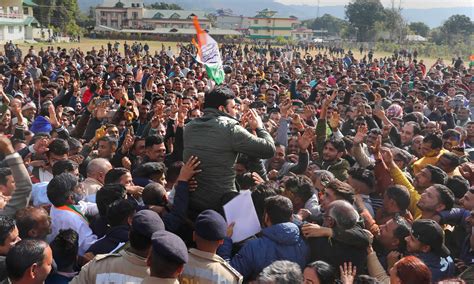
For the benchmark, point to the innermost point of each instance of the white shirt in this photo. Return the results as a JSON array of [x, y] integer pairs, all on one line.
[[63, 219]]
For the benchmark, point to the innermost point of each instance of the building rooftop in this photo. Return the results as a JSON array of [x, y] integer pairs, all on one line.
[[126, 3], [25, 21], [29, 3], [172, 14], [169, 31]]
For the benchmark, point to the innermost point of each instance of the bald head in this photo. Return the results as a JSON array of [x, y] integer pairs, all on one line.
[[98, 168]]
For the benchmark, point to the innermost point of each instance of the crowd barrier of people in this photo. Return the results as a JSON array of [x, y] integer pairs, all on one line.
[[116, 163]]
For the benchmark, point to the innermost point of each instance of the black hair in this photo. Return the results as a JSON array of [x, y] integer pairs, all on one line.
[[416, 126], [451, 133], [65, 247], [401, 232], [110, 140], [172, 173], [218, 97], [260, 193], [153, 194], [64, 166], [435, 141], [453, 159], [7, 225], [119, 211], [279, 209], [446, 196], [4, 173], [58, 147], [400, 195], [26, 220], [326, 272], [150, 141], [301, 186], [74, 143], [107, 195], [114, 175], [437, 175], [342, 190], [365, 279], [458, 185], [337, 143], [363, 175], [60, 188], [23, 255]]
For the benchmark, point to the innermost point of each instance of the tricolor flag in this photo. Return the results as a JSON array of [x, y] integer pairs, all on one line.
[[208, 54]]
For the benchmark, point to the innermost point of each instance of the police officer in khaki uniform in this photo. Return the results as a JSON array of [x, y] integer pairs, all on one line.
[[129, 265], [167, 258], [204, 265]]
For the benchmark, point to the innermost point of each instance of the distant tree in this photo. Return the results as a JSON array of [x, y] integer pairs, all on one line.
[[394, 24], [363, 14], [419, 28], [332, 24], [458, 24], [87, 20], [119, 5], [165, 6], [59, 14], [457, 28]]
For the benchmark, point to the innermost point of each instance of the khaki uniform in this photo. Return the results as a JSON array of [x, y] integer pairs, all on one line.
[[156, 280], [203, 267], [123, 267]]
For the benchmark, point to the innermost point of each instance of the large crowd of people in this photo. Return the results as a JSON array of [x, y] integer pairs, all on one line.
[[116, 162]]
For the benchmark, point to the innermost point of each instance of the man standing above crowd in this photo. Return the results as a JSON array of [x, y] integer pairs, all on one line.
[[216, 139]]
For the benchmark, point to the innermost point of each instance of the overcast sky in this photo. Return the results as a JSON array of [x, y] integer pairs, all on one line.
[[405, 3]]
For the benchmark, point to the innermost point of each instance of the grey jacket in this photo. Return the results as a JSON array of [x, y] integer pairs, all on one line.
[[216, 139], [21, 195]]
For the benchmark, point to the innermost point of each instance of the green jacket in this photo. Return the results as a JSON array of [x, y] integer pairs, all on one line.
[[216, 139]]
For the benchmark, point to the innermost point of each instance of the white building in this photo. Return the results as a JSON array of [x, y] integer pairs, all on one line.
[[132, 14], [16, 20], [238, 23]]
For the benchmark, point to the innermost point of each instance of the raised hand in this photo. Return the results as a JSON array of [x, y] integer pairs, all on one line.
[[127, 143], [329, 100], [41, 145], [257, 178], [348, 272], [15, 107], [305, 140], [254, 120], [92, 105], [189, 169], [334, 120], [387, 156], [377, 146], [379, 112], [308, 112], [126, 163], [284, 108], [53, 119], [361, 134]]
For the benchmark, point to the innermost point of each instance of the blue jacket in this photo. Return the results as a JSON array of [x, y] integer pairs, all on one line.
[[441, 267], [279, 242]]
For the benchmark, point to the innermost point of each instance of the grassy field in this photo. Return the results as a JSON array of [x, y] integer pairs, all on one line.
[[87, 44]]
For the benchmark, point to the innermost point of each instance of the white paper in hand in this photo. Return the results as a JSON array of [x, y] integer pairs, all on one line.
[[241, 211]]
